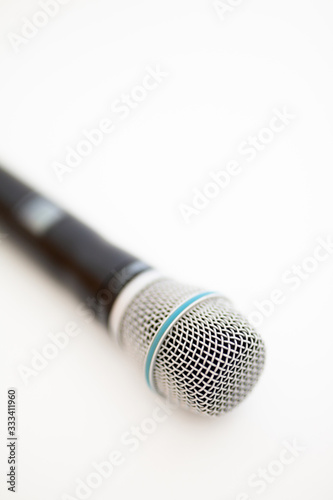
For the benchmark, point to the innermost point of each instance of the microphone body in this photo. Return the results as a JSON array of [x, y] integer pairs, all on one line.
[[193, 347], [71, 251]]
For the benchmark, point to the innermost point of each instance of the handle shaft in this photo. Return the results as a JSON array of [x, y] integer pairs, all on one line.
[[80, 258]]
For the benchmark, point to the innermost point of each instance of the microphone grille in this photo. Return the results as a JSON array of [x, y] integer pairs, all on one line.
[[209, 358]]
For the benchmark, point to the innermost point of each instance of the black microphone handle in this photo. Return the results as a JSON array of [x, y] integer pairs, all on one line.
[[96, 270]]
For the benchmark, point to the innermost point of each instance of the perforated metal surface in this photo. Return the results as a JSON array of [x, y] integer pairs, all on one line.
[[209, 360]]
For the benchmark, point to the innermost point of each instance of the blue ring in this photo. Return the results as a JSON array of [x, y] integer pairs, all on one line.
[[164, 328]]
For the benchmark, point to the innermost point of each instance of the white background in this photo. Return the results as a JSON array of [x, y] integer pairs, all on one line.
[[225, 78]]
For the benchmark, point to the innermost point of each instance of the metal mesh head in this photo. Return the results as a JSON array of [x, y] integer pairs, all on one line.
[[209, 359]]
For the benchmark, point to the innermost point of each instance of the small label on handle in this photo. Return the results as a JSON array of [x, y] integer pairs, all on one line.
[[39, 214]]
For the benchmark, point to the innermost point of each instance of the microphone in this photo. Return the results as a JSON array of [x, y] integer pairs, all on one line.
[[195, 350]]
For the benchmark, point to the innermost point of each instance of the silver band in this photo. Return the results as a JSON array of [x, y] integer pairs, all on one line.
[[125, 298]]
